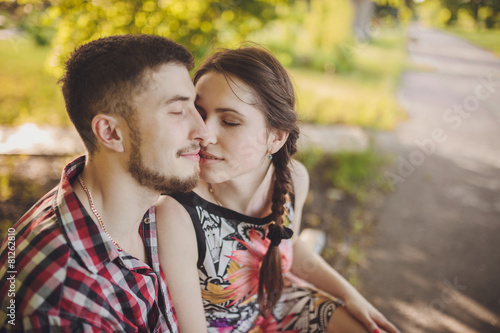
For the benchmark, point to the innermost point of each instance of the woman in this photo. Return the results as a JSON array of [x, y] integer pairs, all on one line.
[[253, 276]]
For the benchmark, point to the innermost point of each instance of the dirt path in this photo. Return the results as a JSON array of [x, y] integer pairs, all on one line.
[[434, 265]]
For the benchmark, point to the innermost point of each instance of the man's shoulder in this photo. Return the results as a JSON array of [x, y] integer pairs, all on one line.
[[38, 231], [35, 253], [41, 211]]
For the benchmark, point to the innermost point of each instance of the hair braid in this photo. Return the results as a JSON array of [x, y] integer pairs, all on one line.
[[270, 82], [270, 275]]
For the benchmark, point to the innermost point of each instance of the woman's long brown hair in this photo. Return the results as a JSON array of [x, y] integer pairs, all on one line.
[[261, 71]]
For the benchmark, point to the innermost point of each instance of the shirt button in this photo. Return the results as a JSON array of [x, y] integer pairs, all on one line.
[[147, 220]]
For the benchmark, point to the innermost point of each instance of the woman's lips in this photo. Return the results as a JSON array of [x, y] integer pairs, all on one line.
[[207, 158]]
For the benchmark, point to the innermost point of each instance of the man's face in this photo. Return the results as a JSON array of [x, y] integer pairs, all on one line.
[[165, 132]]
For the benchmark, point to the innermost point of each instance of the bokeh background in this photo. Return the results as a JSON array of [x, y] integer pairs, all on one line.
[[373, 80]]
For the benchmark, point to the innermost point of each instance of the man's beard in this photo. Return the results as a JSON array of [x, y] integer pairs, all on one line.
[[152, 179]]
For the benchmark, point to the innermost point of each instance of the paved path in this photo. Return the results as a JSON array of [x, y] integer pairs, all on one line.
[[435, 262]]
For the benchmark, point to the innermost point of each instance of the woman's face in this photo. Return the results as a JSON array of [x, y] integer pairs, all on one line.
[[238, 142]]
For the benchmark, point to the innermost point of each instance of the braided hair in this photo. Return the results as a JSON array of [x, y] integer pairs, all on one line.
[[262, 72]]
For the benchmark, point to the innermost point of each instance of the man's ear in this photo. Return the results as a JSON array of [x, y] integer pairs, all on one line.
[[108, 132], [277, 139]]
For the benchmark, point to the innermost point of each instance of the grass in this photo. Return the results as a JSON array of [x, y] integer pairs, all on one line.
[[28, 94], [346, 189], [487, 39], [363, 97], [351, 172]]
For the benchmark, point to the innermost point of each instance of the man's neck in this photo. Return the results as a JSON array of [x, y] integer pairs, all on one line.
[[119, 200]]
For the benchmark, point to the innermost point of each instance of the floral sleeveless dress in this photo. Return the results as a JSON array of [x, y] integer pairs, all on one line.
[[231, 246]]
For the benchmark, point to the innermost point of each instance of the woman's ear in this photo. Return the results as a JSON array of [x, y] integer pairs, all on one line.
[[277, 139], [108, 132]]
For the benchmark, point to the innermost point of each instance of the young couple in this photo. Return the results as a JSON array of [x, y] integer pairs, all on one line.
[[87, 258]]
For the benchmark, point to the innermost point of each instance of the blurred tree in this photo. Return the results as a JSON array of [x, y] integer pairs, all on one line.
[[453, 6], [492, 21], [390, 11], [483, 12], [473, 8], [310, 33], [464, 14], [28, 16], [363, 13], [197, 24]]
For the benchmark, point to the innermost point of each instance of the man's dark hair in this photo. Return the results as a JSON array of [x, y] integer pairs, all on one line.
[[104, 75]]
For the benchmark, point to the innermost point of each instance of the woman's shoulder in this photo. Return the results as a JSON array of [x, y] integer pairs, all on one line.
[[169, 207], [300, 176], [179, 202], [300, 179], [169, 201]]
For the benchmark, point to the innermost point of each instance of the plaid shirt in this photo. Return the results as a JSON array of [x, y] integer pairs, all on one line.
[[69, 277]]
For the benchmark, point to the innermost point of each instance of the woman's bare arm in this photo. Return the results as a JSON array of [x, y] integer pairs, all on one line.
[[312, 268], [178, 252]]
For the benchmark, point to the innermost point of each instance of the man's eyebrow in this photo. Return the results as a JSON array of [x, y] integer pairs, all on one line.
[[177, 98], [228, 110]]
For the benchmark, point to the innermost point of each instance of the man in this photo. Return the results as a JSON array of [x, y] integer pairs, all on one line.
[[81, 259]]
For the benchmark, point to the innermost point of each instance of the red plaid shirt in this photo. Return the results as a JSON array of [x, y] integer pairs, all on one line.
[[69, 277]]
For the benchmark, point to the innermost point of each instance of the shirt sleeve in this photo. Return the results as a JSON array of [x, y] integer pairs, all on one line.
[[43, 322]]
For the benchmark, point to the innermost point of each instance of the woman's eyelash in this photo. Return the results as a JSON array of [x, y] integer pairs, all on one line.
[[231, 123]]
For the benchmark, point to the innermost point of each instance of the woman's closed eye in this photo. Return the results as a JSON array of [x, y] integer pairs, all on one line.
[[231, 123]]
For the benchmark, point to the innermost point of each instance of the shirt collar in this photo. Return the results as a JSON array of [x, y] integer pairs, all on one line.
[[86, 238]]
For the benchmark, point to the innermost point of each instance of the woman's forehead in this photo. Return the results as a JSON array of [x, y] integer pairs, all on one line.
[[224, 84]]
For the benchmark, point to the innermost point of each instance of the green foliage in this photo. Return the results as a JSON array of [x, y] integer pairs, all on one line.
[[198, 25], [394, 11], [28, 16], [391, 3], [361, 91], [431, 13], [488, 39], [310, 36], [310, 157], [486, 13], [362, 97], [29, 93], [466, 14], [353, 172], [36, 25]]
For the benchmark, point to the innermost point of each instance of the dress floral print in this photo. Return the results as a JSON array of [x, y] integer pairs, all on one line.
[[231, 247], [244, 268]]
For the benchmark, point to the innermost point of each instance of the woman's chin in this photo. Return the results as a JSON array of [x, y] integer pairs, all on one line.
[[212, 177]]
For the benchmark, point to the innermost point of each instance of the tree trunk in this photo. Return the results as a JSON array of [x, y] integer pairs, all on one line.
[[363, 12]]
